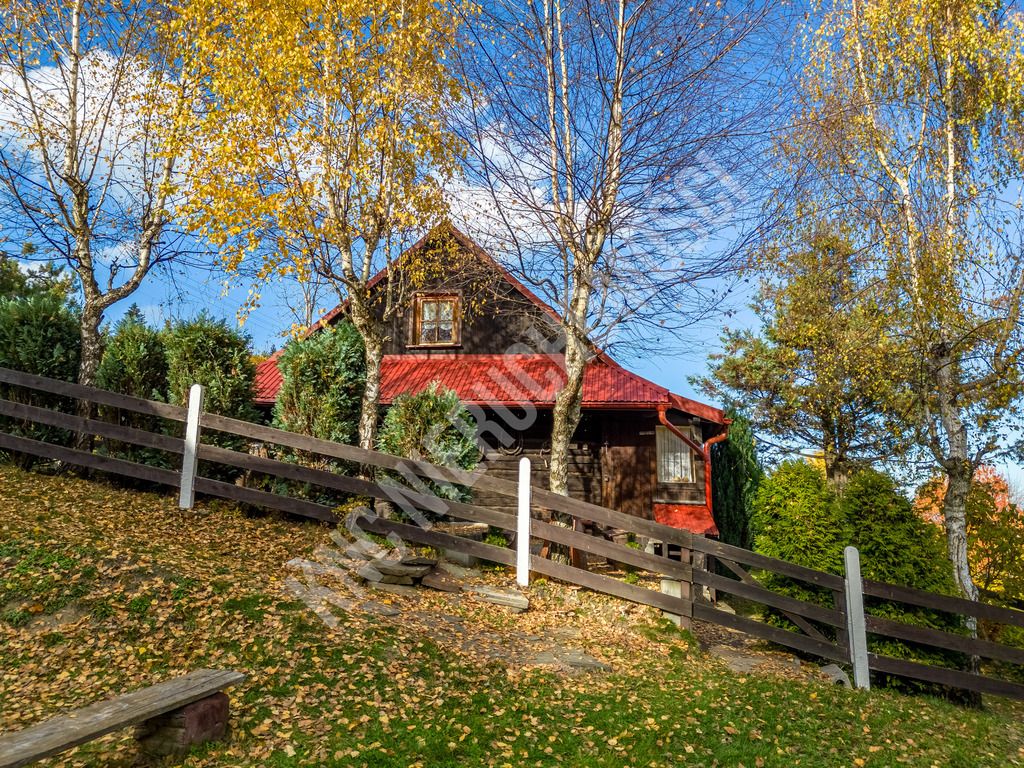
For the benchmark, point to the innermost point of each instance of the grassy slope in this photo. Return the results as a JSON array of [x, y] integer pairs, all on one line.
[[103, 591]]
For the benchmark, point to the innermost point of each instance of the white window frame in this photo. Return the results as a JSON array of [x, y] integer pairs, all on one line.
[[681, 458]]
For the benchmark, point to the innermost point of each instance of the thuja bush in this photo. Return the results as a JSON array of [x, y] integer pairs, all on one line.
[[432, 426], [898, 547], [321, 392], [134, 363], [208, 351], [736, 473], [38, 334], [322, 384], [798, 518], [134, 360]]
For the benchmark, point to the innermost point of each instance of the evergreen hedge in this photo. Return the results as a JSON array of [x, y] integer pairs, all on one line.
[[798, 518], [321, 393], [736, 474], [208, 351], [38, 334], [135, 363], [322, 384], [432, 425]]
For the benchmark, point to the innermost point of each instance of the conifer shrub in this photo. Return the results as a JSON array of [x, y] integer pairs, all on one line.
[[895, 544], [208, 351], [38, 334], [798, 518], [322, 385], [434, 426], [736, 474], [323, 377], [898, 547], [135, 363]]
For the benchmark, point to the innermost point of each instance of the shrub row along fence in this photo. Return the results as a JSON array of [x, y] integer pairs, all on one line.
[[838, 632]]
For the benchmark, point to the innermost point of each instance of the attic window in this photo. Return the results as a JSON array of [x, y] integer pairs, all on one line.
[[436, 320], [675, 459]]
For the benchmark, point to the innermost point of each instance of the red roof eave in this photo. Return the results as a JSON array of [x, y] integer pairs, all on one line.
[[512, 381]]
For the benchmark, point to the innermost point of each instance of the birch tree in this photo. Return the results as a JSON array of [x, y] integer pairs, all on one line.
[[613, 137], [324, 146], [93, 113], [912, 132]]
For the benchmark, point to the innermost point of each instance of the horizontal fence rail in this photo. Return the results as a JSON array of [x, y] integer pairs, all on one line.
[[954, 605], [820, 630]]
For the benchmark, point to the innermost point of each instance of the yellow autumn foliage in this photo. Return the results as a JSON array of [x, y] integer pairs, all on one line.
[[324, 131]]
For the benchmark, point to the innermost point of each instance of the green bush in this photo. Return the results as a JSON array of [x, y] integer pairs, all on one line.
[[433, 426], [135, 360], [210, 352], [38, 334], [799, 519], [898, 547], [795, 518], [736, 474], [321, 395], [322, 385], [895, 544], [134, 363]]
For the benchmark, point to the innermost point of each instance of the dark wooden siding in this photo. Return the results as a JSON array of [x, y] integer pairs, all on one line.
[[495, 318], [612, 463], [629, 466], [535, 444]]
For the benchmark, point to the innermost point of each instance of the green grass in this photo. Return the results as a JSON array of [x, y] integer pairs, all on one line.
[[161, 594]]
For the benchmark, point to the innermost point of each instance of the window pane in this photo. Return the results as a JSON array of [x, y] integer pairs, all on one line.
[[675, 460], [436, 320]]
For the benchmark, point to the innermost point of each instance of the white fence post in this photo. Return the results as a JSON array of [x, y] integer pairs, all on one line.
[[189, 462], [856, 630], [523, 525]]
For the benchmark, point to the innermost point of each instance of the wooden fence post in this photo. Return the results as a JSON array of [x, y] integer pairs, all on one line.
[[187, 497], [523, 525], [681, 589], [856, 630]]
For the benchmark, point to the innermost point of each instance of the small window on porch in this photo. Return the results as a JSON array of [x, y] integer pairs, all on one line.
[[436, 320], [675, 458]]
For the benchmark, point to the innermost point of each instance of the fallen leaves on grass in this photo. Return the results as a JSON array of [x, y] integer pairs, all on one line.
[[133, 592]]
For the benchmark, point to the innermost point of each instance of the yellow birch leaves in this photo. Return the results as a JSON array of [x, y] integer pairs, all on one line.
[[324, 127]]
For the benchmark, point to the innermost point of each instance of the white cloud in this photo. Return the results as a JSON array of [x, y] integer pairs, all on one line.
[[116, 146]]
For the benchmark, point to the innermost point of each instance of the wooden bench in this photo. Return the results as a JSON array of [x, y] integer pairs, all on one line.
[[171, 716]]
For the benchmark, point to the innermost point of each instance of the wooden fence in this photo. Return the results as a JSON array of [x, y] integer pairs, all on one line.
[[833, 632]]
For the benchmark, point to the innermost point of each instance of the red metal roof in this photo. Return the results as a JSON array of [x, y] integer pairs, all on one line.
[[268, 380], [511, 380], [690, 517]]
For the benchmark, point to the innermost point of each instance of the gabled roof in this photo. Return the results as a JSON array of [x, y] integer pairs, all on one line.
[[508, 380], [447, 229]]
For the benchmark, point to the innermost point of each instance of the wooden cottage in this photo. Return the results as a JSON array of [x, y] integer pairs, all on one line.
[[472, 327]]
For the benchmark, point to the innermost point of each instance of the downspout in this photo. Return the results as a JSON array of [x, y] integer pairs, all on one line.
[[703, 450], [723, 435]]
